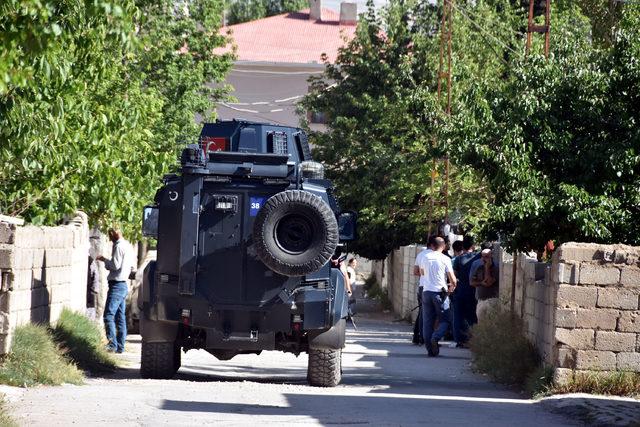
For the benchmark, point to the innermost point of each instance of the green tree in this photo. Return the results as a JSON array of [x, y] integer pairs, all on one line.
[[93, 96], [382, 109], [559, 143]]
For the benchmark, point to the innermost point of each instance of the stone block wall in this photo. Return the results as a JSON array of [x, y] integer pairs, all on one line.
[[43, 269], [598, 308], [535, 298], [395, 274]]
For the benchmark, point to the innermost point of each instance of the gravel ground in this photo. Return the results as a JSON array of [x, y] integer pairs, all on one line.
[[387, 381]]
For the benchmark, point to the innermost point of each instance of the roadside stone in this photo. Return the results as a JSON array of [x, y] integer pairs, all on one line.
[[579, 252], [7, 233], [629, 362], [596, 360], [6, 257], [597, 318], [595, 410], [626, 299], [615, 341], [581, 339], [593, 274], [629, 321], [574, 296], [565, 273], [562, 375], [630, 276], [566, 357], [566, 318]]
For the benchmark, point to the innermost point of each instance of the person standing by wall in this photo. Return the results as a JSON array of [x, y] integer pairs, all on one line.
[[464, 297], [436, 267], [120, 266], [484, 278]]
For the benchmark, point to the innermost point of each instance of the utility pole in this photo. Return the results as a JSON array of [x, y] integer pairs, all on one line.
[[541, 29], [444, 75]]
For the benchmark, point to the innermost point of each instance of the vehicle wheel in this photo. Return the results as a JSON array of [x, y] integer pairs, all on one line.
[[295, 233], [325, 367], [160, 360]]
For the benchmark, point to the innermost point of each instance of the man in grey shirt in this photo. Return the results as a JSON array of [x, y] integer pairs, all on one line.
[[120, 266]]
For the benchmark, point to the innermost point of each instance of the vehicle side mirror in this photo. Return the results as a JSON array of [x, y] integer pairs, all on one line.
[[150, 221], [347, 226]]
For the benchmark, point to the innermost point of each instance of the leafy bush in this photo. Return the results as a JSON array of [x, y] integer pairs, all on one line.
[[36, 359], [501, 350], [83, 342]]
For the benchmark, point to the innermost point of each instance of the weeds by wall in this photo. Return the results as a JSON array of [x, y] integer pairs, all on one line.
[[82, 341], [36, 359]]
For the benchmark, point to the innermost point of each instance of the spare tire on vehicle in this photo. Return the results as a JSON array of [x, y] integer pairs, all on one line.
[[295, 233]]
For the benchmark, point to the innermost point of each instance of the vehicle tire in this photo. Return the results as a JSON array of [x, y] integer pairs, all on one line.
[[295, 233], [324, 368], [159, 360]]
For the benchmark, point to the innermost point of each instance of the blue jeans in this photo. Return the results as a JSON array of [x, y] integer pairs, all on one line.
[[114, 315], [431, 310], [464, 316]]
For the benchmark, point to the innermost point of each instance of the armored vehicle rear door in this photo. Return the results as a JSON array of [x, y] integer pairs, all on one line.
[[228, 271]]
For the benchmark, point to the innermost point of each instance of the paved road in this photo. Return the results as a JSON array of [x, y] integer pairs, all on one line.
[[387, 381]]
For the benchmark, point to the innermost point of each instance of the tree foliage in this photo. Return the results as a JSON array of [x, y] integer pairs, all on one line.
[[93, 95], [248, 10], [380, 98], [559, 142]]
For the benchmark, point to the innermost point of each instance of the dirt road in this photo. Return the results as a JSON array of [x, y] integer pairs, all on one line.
[[387, 381]]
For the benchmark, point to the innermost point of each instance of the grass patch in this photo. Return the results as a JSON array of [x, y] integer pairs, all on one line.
[[375, 291], [611, 383], [501, 350], [36, 359], [82, 340], [539, 381], [5, 419]]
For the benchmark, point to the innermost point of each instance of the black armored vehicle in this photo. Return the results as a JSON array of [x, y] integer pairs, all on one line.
[[245, 235]]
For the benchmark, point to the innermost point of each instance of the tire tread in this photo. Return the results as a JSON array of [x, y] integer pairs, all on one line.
[[325, 367]]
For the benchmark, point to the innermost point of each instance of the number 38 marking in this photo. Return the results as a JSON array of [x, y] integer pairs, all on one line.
[[255, 205]]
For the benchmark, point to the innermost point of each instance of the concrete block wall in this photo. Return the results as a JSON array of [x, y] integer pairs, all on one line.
[[395, 274], [43, 269], [598, 308]]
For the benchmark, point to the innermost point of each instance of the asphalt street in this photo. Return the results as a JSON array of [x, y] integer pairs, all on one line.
[[387, 381]]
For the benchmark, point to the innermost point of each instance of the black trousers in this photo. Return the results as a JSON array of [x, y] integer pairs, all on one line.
[[417, 326]]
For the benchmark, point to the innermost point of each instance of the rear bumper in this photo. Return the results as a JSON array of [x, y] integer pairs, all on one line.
[[241, 327]]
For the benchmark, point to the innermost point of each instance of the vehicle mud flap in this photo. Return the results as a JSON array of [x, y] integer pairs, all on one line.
[[147, 288], [333, 339], [154, 331]]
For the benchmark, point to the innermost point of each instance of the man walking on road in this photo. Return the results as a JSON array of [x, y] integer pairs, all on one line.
[[418, 336], [120, 266], [436, 268]]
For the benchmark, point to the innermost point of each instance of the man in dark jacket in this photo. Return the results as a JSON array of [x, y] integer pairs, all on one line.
[[464, 299]]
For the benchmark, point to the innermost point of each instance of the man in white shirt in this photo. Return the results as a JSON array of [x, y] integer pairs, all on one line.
[[120, 266], [417, 327], [436, 267]]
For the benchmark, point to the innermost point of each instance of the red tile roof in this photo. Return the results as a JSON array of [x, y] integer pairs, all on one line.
[[291, 37]]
